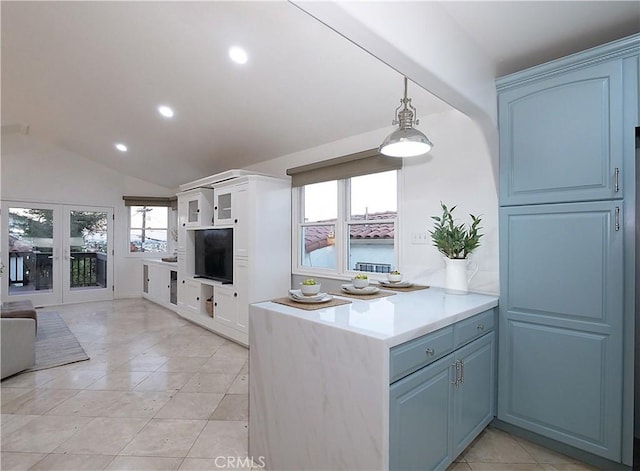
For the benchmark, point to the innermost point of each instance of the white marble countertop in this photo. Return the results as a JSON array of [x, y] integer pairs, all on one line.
[[395, 319], [159, 261]]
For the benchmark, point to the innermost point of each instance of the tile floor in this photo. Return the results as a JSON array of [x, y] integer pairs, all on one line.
[[160, 393]]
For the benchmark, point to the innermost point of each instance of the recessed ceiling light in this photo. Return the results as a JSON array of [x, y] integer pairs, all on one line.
[[238, 55], [121, 147], [165, 111]]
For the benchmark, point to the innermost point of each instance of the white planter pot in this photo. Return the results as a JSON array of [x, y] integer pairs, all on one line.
[[459, 274]]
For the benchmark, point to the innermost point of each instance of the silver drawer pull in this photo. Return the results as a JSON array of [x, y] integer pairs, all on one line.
[[480, 326], [430, 351]]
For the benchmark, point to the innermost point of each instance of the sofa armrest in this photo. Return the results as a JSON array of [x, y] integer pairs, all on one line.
[[17, 344]]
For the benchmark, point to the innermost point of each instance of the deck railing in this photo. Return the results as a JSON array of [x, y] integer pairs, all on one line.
[[35, 269]]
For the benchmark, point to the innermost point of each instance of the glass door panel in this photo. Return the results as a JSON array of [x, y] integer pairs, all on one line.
[[31, 260], [87, 255]]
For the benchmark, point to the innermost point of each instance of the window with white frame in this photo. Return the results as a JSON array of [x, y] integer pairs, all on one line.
[[347, 225], [148, 229]]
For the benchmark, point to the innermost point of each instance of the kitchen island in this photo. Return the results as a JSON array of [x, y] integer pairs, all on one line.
[[334, 388]]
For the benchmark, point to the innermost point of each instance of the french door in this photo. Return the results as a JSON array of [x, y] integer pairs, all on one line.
[[56, 254]]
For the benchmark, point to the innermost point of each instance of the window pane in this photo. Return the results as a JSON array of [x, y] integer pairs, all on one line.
[[371, 247], [149, 216], [318, 250], [147, 240], [320, 202], [30, 250], [374, 196]]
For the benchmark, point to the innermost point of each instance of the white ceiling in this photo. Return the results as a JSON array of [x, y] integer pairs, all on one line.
[[85, 75]]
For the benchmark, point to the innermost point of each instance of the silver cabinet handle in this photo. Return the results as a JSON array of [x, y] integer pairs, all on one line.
[[461, 371], [456, 365], [617, 222], [616, 184], [430, 351], [480, 327]]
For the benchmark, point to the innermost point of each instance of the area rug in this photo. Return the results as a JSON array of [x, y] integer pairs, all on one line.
[[55, 343]]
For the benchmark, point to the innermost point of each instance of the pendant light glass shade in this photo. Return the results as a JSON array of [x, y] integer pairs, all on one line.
[[406, 141]]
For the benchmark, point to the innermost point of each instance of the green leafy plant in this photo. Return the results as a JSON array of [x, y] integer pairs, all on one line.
[[309, 282], [455, 240], [361, 277]]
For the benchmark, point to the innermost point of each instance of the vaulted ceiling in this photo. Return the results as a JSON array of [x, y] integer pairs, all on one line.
[[85, 75]]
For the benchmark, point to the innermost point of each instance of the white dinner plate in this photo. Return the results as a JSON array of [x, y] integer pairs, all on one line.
[[397, 284], [311, 299], [349, 288], [296, 293]]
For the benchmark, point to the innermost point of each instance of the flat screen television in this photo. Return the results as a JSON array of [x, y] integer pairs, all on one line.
[[214, 254]]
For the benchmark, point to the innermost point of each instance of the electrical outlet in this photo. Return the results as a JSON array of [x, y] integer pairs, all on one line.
[[419, 238]]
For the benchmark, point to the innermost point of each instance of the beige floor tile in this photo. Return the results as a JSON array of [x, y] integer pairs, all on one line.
[[505, 467], [209, 382], [221, 463], [38, 401], [568, 467], [9, 423], [119, 381], [144, 363], [87, 404], [68, 462], [30, 380], [144, 463], [43, 434], [232, 350], [164, 381], [165, 437], [232, 407], [495, 446], [219, 365], [240, 385], [221, 438], [459, 467], [103, 436], [138, 404], [544, 455], [9, 394], [74, 379], [190, 406], [10, 461], [183, 364]]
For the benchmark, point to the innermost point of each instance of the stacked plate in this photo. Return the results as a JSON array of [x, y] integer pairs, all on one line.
[[296, 295], [349, 288], [395, 284]]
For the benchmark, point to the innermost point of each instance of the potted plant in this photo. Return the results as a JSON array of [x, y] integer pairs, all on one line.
[[456, 242]]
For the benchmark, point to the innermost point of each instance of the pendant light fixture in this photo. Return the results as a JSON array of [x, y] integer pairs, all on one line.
[[405, 141]]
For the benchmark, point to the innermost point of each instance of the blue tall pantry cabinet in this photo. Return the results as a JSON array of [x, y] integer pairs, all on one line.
[[567, 249]]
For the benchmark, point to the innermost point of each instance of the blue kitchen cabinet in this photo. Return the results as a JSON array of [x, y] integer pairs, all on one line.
[[567, 258], [561, 323], [420, 419], [561, 130], [436, 411]]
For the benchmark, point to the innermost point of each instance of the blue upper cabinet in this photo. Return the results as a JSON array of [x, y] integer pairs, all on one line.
[[561, 130]]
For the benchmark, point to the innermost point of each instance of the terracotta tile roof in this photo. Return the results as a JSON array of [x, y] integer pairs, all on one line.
[[316, 237]]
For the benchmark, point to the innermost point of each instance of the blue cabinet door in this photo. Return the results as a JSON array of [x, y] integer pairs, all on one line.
[[561, 323], [474, 397], [419, 423], [561, 136]]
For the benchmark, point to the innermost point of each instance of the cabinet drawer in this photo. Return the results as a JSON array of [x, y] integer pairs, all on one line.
[[410, 356], [469, 329]]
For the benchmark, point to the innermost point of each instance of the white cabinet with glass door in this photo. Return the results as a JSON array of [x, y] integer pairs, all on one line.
[[198, 207], [57, 254]]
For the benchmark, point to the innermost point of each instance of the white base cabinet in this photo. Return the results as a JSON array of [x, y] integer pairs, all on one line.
[[159, 282]]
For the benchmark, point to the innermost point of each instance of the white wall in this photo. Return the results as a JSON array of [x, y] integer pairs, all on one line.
[[457, 171], [37, 171]]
